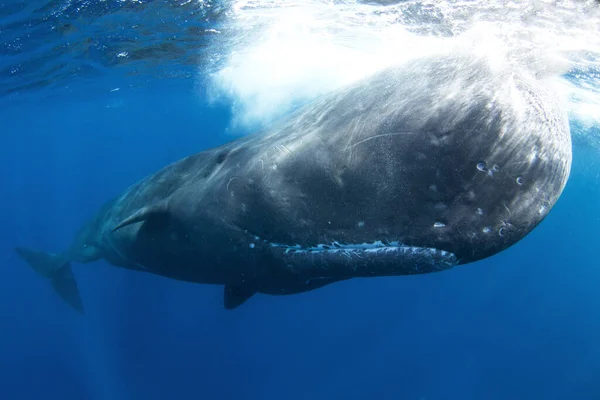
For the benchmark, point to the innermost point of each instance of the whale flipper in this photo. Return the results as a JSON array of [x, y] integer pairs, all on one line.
[[59, 272], [144, 214], [234, 296]]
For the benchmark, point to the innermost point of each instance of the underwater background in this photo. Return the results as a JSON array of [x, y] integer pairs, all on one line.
[[95, 95]]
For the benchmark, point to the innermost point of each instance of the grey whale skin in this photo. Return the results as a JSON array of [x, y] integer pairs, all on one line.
[[416, 169]]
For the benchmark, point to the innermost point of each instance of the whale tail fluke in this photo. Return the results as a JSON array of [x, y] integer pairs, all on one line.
[[53, 267]]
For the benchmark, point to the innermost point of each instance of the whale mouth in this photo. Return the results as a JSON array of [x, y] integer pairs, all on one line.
[[418, 259], [375, 247]]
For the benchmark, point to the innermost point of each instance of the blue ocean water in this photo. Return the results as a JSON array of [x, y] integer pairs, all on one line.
[[522, 324]]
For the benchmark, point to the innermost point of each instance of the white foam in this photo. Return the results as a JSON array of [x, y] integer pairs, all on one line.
[[275, 55], [292, 53]]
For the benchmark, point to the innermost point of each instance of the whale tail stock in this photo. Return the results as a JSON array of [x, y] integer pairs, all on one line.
[[55, 268]]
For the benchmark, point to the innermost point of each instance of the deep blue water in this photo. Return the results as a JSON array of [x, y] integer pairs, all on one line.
[[523, 324]]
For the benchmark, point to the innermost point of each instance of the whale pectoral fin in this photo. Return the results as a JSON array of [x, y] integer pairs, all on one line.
[[234, 296], [144, 214]]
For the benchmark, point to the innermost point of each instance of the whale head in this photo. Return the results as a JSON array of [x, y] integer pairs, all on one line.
[[420, 167]]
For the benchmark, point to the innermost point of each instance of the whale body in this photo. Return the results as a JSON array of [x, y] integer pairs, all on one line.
[[418, 168]]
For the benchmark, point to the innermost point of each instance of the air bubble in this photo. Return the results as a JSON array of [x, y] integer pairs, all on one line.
[[252, 245], [519, 181], [502, 231], [439, 225], [481, 166]]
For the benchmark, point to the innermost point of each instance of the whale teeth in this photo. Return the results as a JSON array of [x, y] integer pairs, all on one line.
[[370, 248]]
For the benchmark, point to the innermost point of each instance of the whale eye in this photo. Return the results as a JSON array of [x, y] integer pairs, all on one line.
[[519, 181], [481, 166]]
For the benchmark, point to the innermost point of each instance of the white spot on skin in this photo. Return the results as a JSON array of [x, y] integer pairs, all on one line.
[[479, 211], [533, 156], [487, 229], [439, 225], [252, 245], [361, 224], [433, 188]]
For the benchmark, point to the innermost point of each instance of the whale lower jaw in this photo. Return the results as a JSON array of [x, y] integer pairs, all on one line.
[[366, 247], [370, 259]]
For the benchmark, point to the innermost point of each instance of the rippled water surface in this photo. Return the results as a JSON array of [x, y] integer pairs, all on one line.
[[282, 44]]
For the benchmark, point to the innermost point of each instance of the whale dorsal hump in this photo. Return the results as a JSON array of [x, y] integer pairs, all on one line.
[[144, 214], [234, 296]]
